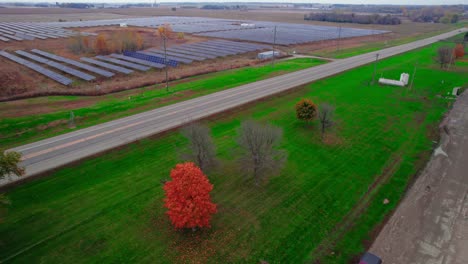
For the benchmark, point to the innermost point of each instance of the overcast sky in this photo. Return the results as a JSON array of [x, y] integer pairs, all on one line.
[[393, 2]]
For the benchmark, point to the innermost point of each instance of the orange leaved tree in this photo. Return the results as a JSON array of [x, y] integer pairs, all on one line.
[[100, 45], [459, 51], [188, 197], [306, 110], [165, 31]]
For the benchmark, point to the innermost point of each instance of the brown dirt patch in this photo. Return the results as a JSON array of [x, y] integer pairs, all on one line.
[[43, 106], [52, 124], [332, 139]]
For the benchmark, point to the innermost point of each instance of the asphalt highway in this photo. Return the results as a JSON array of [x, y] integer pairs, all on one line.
[[44, 155]]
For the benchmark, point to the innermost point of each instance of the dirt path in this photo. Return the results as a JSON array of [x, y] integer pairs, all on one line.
[[431, 223]]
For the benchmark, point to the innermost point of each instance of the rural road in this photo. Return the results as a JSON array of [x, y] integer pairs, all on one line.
[[51, 153], [431, 223]]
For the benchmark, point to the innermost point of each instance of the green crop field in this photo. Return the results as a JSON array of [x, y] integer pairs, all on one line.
[[25, 129], [380, 44], [109, 209]]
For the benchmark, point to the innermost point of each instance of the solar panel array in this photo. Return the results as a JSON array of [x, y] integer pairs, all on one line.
[[107, 65], [30, 31], [257, 31], [290, 34], [56, 65], [124, 63], [74, 63], [143, 62], [53, 75], [148, 56], [188, 53], [169, 56], [178, 55]]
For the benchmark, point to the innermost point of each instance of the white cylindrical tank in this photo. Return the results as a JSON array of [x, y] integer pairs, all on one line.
[[404, 77]]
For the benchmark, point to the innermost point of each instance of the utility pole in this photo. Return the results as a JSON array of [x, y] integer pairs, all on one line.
[[375, 67], [451, 58], [165, 60], [412, 78], [339, 39], [274, 44]]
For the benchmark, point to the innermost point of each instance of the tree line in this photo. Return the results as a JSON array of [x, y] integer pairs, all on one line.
[[353, 18], [435, 14], [447, 55], [119, 41]]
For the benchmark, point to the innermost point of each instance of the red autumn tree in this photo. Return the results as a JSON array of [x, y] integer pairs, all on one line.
[[459, 51], [188, 197]]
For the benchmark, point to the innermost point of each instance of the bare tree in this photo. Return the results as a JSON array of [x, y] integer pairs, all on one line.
[[202, 149], [444, 56], [325, 116], [260, 156]]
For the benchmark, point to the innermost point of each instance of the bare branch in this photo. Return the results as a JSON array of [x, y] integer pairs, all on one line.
[[260, 156], [325, 115], [202, 151]]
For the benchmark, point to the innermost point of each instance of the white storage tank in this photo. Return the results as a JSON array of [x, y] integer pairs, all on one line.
[[404, 77], [267, 55]]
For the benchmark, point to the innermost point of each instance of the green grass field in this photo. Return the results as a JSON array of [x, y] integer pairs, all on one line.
[[109, 209], [21, 130], [378, 44]]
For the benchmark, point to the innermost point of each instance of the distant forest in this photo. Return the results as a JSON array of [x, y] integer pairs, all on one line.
[[354, 18], [224, 7]]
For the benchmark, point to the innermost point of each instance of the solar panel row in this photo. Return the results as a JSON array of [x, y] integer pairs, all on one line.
[[178, 55], [211, 50], [56, 65], [143, 62], [54, 76], [124, 63], [107, 65], [169, 56], [148, 56], [74, 63], [189, 51]]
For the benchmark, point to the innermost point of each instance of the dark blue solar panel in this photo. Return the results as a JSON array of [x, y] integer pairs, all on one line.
[[152, 58]]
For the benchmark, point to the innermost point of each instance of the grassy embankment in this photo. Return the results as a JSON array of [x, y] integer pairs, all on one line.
[[109, 208], [20, 130]]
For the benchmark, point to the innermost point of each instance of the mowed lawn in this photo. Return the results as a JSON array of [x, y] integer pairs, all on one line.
[[20, 130], [109, 209]]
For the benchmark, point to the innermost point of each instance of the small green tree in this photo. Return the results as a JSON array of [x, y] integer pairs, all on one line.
[[306, 110], [9, 164]]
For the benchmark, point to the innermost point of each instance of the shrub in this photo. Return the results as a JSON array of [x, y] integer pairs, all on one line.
[[306, 110]]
